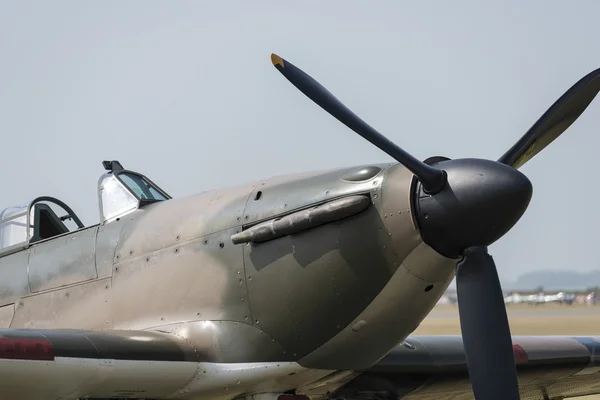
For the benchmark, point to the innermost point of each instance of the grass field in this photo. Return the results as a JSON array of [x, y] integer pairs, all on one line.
[[545, 319]]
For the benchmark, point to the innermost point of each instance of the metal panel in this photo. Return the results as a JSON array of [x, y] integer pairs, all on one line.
[[201, 279], [250, 381], [287, 193], [327, 275], [84, 306], [321, 277], [177, 221], [63, 260], [106, 242], [72, 379], [228, 341], [394, 314], [14, 282]]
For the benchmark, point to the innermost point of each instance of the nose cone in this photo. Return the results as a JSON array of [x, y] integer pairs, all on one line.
[[482, 201]]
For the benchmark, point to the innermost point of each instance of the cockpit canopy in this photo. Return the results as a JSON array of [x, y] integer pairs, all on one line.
[[43, 218], [121, 191]]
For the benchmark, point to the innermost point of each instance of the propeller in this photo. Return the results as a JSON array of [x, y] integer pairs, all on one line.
[[484, 326], [461, 207], [433, 179], [555, 120]]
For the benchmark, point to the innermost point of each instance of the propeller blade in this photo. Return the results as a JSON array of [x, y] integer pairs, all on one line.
[[485, 329], [433, 179], [555, 120]]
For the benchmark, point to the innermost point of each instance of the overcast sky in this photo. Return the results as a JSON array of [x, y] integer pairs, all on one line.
[[184, 92]]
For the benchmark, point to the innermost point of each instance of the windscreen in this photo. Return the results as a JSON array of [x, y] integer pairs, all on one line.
[[141, 187]]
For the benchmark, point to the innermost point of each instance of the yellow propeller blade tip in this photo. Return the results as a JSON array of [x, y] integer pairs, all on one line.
[[275, 59]]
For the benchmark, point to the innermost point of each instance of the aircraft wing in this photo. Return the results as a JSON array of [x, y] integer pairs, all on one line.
[[67, 364], [434, 367], [64, 364]]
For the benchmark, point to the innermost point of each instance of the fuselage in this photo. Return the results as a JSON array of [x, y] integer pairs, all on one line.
[[335, 296]]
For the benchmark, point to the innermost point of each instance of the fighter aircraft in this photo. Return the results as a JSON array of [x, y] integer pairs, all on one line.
[[295, 287]]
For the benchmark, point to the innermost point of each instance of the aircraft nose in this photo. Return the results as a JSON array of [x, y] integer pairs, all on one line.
[[482, 201]]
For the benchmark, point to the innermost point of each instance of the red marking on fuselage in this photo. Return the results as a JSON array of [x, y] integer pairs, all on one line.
[[521, 356], [26, 349]]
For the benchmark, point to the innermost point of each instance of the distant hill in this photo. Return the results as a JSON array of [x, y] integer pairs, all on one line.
[[554, 280]]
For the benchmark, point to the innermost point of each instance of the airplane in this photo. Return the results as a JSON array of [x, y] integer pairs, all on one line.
[[537, 298], [553, 298], [296, 287]]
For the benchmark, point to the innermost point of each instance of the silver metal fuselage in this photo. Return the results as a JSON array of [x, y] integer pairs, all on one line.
[[335, 296]]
